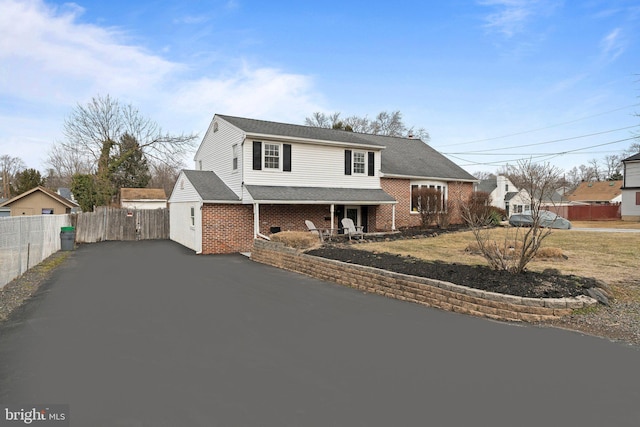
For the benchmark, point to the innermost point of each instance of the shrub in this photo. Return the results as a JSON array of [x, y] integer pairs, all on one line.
[[296, 239]]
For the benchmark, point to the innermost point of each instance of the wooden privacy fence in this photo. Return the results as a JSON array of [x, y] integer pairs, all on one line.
[[587, 212], [121, 224]]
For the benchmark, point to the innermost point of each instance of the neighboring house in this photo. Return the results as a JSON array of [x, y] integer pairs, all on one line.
[[143, 198], [505, 195], [255, 178], [5, 210], [631, 189], [39, 201], [597, 193]]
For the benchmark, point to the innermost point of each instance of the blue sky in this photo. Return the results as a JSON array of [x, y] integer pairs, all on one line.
[[478, 75]]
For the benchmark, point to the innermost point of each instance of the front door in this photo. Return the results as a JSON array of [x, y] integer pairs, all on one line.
[[353, 212]]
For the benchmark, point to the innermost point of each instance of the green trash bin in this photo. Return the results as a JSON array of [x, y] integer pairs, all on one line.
[[67, 238]]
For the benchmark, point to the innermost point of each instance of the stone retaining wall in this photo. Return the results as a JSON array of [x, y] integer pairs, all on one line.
[[429, 292]]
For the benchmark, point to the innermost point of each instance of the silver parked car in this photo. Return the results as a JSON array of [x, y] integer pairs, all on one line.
[[547, 220]]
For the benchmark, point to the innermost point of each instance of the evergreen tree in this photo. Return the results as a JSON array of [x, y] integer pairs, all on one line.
[[26, 180]]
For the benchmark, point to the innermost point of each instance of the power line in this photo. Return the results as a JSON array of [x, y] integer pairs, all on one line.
[[546, 142], [543, 128], [539, 156]]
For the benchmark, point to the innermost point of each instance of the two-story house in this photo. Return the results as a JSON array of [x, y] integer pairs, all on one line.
[[253, 178], [505, 195], [630, 207]]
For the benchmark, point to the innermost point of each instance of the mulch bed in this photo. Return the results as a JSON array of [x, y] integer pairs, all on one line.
[[529, 284]]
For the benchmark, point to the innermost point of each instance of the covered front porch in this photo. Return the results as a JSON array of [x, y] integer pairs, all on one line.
[[286, 208]]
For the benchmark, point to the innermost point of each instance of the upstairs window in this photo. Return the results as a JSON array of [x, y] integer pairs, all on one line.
[[235, 156], [358, 162], [271, 156]]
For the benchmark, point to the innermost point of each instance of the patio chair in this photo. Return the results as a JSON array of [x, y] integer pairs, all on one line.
[[351, 229], [320, 232]]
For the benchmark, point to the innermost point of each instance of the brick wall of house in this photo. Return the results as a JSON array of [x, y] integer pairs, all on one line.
[[227, 228], [292, 217], [459, 193], [400, 189]]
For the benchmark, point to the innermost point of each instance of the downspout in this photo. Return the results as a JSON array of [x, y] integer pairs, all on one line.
[[198, 224], [393, 217], [256, 223]]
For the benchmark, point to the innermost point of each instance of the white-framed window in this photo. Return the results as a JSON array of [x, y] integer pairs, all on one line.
[[271, 156], [235, 156], [359, 162], [193, 216], [417, 202]]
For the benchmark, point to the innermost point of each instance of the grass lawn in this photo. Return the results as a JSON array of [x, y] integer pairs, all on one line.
[[611, 257]]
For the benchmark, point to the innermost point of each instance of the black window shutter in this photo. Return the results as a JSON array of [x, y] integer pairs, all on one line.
[[286, 162], [347, 162], [372, 166], [257, 155]]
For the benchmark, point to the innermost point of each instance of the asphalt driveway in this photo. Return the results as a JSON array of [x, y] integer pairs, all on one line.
[[148, 334]]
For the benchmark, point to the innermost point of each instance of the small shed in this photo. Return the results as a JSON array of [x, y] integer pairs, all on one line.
[[143, 198]]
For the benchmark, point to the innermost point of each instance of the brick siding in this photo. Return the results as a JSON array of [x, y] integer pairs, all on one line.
[[400, 189], [227, 228]]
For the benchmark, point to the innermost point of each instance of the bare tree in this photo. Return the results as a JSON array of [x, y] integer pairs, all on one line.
[[9, 168], [386, 123], [519, 245], [63, 164], [482, 175], [164, 175], [93, 131]]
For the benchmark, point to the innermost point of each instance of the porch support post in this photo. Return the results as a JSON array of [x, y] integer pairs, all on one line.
[[393, 217], [332, 209], [256, 220]]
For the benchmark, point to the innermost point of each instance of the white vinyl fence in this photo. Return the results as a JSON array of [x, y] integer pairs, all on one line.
[[27, 240]]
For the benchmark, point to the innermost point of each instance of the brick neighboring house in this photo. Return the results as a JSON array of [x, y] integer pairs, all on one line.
[[254, 178]]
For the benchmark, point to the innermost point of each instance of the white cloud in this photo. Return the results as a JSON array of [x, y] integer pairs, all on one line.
[[46, 53], [260, 93], [511, 16], [612, 45], [49, 62]]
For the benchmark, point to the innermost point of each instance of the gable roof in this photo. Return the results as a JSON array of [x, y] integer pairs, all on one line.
[[401, 157], [602, 191], [68, 203], [210, 187], [142, 194], [267, 128], [488, 185], [632, 158], [408, 157]]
